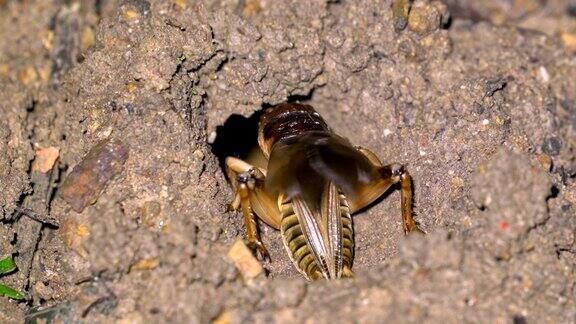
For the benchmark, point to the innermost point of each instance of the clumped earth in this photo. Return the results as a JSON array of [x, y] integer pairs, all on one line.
[[116, 116]]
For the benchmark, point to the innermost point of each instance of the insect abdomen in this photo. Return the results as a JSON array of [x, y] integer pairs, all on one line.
[[347, 233], [295, 242], [298, 248]]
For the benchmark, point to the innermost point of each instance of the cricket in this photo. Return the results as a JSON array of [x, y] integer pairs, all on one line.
[[311, 183]]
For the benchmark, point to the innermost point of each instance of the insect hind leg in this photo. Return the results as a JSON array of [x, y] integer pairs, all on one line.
[[406, 201], [390, 175]]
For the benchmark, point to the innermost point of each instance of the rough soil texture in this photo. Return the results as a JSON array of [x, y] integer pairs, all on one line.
[[141, 100]]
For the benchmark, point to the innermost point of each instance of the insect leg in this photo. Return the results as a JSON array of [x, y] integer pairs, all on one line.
[[235, 204], [389, 175], [252, 199], [406, 201], [254, 241]]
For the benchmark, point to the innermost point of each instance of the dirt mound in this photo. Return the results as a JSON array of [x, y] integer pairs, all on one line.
[[118, 114]]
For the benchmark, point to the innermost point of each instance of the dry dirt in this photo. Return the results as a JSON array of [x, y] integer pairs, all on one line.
[[116, 116]]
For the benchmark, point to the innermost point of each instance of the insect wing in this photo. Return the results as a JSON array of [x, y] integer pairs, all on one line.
[[313, 232], [332, 218], [311, 170], [303, 166], [336, 160], [290, 173]]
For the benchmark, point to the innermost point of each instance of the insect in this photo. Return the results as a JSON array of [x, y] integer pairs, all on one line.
[[310, 183]]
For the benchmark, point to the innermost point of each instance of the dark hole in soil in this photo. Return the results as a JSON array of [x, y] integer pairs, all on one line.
[[301, 98], [519, 319], [237, 137], [554, 191]]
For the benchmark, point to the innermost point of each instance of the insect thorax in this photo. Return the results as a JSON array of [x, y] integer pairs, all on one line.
[[286, 121]]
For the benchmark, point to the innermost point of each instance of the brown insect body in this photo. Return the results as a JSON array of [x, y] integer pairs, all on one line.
[[313, 207], [313, 181]]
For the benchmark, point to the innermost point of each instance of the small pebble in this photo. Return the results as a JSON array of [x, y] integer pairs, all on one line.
[[400, 9], [494, 85], [224, 318], [543, 74], [145, 264], [152, 215], [131, 14], [545, 161], [181, 4], [552, 146], [28, 75], [457, 182], [198, 154], [569, 41], [251, 7], [74, 234], [45, 159], [212, 137], [244, 260], [424, 19], [89, 178]]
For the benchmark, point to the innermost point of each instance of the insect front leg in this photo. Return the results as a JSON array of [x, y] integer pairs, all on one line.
[[389, 175], [253, 200]]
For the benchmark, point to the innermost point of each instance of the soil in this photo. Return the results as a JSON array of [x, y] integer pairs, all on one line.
[[117, 115]]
